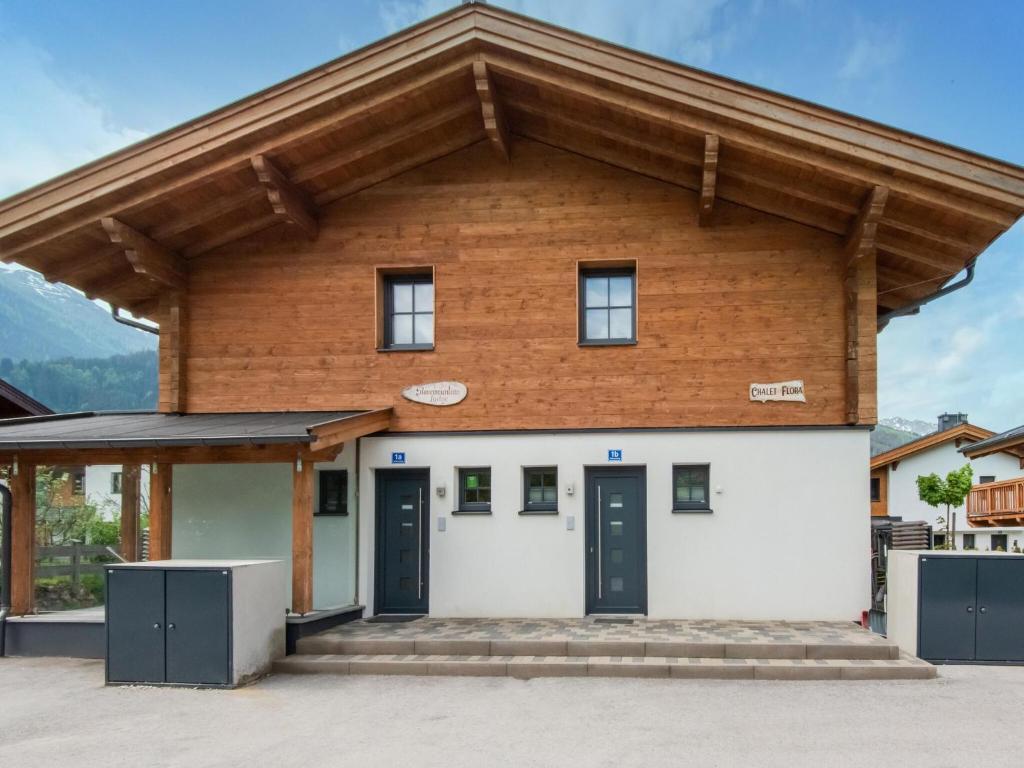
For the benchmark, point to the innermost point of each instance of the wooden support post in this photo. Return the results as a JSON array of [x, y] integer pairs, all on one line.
[[709, 180], [130, 512], [160, 511], [495, 124], [173, 351], [146, 256], [288, 200], [302, 536], [23, 539]]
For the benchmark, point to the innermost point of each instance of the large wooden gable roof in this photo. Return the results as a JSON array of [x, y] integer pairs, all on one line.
[[125, 227]]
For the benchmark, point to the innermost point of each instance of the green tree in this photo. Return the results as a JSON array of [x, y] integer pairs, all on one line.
[[951, 491]]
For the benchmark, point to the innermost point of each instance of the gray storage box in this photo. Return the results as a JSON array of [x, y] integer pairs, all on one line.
[[957, 607], [194, 622]]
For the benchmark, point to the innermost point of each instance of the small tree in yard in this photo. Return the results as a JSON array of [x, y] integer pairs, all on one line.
[[952, 491]]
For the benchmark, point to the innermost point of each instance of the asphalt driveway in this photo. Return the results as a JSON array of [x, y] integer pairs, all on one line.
[[57, 712]]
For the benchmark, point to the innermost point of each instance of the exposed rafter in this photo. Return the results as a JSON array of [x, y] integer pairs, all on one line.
[[495, 124], [709, 179], [147, 256], [290, 203], [862, 237]]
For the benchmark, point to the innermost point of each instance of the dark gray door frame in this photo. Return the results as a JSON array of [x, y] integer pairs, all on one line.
[[380, 479], [590, 475]]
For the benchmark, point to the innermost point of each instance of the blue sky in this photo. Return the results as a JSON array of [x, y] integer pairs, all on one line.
[[81, 79]]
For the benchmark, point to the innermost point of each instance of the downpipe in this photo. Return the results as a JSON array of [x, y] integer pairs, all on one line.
[[5, 571]]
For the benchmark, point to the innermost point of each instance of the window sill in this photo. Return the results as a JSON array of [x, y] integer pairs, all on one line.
[[468, 512], [706, 511], [417, 348], [610, 343], [531, 512]]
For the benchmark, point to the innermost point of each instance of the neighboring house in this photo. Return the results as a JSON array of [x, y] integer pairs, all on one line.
[[103, 486], [490, 318], [894, 481], [996, 508]]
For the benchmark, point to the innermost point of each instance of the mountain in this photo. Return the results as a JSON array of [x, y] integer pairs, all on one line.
[[914, 426], [117, 383], [46, 321]]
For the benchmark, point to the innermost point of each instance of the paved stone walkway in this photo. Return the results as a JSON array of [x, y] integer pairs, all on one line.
[[589, 629]]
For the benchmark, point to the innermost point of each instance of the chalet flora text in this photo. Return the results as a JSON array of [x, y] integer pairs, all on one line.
[[792, 391]]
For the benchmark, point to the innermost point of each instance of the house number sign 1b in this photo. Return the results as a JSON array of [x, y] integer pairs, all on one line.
[[437, 393]]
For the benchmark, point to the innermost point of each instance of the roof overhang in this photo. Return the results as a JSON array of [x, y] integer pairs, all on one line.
[[125, 228], [200, 438], [961, 432], [19, 401], [1011, 442]]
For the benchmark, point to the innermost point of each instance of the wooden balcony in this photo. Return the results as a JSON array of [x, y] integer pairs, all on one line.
[[999, 503]]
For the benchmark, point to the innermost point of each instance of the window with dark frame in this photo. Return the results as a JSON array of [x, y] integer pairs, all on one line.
[[986, 479], [876, 489], [690, 488], [115, 482], [409, 311], [540, 489], [333, 492], [998, 542], [78, 483], [475, 489], [608, 306], [968, 541]]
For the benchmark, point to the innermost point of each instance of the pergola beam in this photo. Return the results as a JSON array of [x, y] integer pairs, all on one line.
[[161, 477], [23, 538], [130, 475], [495, 124], [289, 201], [302, 536], [709, 180], [334, 435], [146, 256]]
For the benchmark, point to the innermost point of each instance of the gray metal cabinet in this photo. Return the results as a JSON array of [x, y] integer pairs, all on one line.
[[169, 626], [971, 609]]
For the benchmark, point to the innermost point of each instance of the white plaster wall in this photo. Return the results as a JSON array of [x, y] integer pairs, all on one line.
[[244, 511], [97, 489], [788, 538], [940, 459], [901, 598]]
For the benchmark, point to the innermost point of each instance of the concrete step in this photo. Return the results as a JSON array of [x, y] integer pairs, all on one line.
[[524, 666], [327, 644]]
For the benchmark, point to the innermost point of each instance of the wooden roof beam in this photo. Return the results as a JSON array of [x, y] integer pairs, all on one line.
[[495, 124], [861, 239], [289, 201], [709, 180], [147, 257]]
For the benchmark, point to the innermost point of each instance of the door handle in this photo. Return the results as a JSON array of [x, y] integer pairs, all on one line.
[[419, 553], [983, 609], [156, 626], [170, 626], [599, 542], [970, 609]]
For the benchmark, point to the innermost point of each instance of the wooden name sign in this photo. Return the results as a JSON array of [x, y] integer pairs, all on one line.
[[791, 391], [437, 393]]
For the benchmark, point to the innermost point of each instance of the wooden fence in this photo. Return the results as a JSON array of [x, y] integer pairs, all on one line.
[[74, 560]]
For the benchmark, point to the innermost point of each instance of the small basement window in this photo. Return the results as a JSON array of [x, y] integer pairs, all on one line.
[[969, 541], [690, 488], [998, 542], [409, 311], [115, 482], [333, 492], [608, 306], [475, 489], [540, 489]]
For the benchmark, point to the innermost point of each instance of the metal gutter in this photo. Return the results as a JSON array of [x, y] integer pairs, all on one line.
[[915, 307], [115, 312]]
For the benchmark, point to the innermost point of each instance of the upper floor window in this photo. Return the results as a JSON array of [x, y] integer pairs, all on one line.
[[608, 306], [876, 489], [409, 312], [987, 479]]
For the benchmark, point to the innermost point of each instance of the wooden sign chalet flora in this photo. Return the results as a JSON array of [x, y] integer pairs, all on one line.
[[789, 391], [436, 393]]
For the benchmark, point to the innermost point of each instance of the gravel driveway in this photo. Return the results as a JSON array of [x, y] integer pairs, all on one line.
[[57, 712]]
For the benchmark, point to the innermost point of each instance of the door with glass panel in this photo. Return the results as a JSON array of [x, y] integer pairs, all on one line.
[[616, 540], [403, 546]]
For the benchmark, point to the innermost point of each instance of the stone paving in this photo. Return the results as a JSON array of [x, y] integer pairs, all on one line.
[[589, 629]]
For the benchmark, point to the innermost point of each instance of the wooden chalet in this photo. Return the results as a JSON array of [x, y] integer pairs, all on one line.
[[517, 292], [999, 503]]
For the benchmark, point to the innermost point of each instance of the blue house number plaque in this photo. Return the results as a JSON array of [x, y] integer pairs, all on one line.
[[614, 454], [398, 457]]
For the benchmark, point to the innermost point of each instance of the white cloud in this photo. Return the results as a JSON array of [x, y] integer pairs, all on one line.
[[48, 124], [872, 52], [683, 30]]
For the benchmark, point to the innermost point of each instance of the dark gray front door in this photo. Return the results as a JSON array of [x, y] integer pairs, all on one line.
[[403, 537], [616, 540], [1000, 609], [135, 625], [947, 611], [198, 634]]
